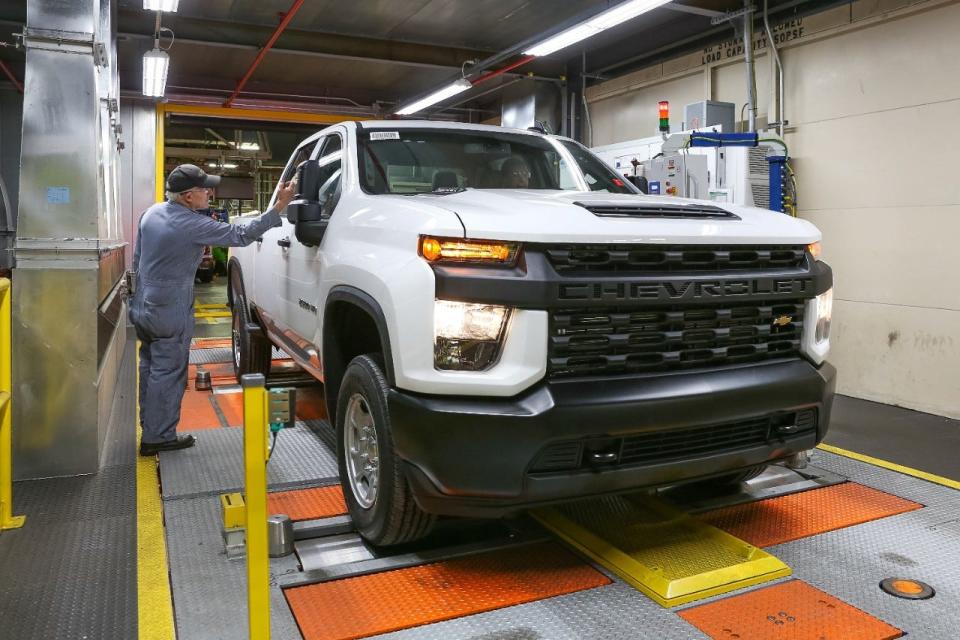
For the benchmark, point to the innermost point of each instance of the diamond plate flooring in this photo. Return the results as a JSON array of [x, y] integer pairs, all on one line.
[[209, 592], [215, 464], [71, 571]]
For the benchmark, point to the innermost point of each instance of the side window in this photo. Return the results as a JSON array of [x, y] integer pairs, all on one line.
[[331, 169], [301, 154]]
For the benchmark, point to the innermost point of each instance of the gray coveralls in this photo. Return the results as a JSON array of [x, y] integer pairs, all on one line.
[[170, 244]]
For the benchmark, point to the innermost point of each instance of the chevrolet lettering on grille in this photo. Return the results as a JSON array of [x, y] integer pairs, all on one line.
[[685, 291]]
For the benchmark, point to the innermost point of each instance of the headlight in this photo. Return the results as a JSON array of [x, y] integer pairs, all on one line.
[[824, 315], [467, 337], [816, 327], [460, 251], [815, 250]]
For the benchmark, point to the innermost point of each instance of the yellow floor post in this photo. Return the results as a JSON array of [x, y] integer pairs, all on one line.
[[255, 486], [7, 519]]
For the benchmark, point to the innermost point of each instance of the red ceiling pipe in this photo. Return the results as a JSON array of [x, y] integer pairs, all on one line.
[[263, 52], [10, 76], [510, 67]]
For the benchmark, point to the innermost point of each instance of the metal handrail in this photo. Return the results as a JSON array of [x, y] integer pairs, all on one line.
[[7, 519]]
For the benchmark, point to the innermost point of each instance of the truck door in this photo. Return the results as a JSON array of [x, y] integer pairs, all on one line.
[[271, 253], [303, 264]]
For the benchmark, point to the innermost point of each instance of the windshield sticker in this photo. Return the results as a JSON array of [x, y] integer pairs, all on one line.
[[384, 135]]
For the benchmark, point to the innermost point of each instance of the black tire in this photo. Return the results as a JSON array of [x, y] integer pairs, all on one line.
[[390, 516], [251, 351]]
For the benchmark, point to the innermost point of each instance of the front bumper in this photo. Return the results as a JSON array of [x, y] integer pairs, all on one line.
[[473, 456]]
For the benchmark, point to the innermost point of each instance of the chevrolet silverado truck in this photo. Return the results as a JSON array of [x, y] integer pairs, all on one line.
[[500, 321]]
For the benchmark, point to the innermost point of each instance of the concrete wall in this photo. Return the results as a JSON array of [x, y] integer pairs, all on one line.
[[873, 98], [137, 166]]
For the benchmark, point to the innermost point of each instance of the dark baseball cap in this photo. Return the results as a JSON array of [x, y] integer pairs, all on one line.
[[189, 176]]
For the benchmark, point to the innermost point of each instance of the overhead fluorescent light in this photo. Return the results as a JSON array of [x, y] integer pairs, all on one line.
[[225, 165], [155, 66], [600, 22], [437, 96], [249, 146], [170, 6]]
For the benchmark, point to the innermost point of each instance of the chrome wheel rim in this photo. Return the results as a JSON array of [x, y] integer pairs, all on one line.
[[235, 335], [361, 451]]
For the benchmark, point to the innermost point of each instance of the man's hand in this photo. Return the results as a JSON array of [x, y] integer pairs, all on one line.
[[288, 191]]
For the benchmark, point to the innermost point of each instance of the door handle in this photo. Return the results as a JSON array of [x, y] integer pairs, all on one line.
[[284, 242]]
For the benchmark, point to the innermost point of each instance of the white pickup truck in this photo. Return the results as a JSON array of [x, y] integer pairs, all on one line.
[[499, 321]]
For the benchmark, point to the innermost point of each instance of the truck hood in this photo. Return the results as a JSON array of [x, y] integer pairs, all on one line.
[[553, 216]]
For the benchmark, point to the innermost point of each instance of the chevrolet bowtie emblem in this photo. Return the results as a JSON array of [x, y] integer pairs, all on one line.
[[782, 321]]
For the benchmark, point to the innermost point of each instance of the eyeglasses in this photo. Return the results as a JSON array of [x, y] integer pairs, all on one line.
[[519, 173], [196, 190]]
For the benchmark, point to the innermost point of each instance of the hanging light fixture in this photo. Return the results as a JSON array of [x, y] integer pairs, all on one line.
[[600, 22], [169, 6], [437, 96], [156, 62]]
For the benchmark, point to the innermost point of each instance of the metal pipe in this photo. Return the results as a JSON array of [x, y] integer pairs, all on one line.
[[263, 52], [776, 56], [12, 78], [498, 72], [751, 82]]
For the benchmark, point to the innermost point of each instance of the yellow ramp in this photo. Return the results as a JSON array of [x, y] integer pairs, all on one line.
[[668, 555]]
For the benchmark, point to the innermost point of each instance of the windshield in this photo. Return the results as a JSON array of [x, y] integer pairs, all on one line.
[[411, 161]]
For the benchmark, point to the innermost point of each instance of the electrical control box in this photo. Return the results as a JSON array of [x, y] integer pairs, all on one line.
[[710, 113], [681, 175]]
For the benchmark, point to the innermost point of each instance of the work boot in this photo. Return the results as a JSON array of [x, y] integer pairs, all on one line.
[[180, 442]]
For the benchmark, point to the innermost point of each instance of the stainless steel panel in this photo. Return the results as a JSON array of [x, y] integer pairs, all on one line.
[[59, 185], [69, 326], [55, 402], [138, 165], [64, 15], [330, 551]]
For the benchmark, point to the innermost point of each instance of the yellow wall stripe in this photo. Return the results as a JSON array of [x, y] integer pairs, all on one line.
[[916, 473], [154, 603]]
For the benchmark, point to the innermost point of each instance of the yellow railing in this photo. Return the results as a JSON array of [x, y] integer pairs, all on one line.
[[255, 455], [7, 519]]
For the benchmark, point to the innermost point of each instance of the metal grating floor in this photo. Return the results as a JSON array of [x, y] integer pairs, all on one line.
[[215, 464]]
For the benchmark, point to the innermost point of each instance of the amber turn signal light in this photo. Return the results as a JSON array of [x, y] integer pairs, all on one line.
[[455, 250], [815, 250]]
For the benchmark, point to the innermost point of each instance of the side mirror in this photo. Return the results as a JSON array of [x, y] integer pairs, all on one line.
[[306, 206]]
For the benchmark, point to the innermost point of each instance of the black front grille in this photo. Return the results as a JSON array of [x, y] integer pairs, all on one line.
[[619, 340], [605, 258], [675, 445], [694, 211]]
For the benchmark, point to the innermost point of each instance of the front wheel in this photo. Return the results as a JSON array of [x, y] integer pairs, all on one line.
[[251, 353], [378, 496]]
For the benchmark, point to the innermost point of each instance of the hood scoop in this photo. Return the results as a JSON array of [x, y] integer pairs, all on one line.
[[684, 211]]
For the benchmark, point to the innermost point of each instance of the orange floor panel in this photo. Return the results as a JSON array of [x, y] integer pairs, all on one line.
[[777, 520], [308, 504], [211, 343], [310, 405], [788, 611], [394, 600], [231, 404], [196, 412]]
